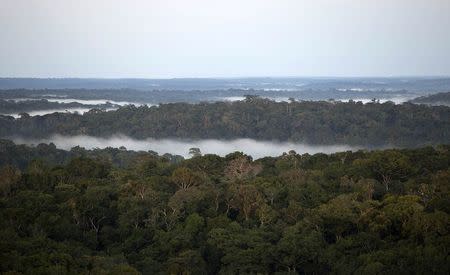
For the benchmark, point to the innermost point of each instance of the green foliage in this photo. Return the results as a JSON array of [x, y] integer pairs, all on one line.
[[85, 212], [352, 123]]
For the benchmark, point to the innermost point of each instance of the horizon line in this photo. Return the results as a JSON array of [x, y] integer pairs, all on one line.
[[220, 77]]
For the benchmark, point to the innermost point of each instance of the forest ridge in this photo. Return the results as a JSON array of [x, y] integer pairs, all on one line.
[[353, 123]]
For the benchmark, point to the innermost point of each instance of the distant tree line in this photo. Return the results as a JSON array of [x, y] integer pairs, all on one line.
[[180, 94], [351, 123], [11, 106], [20, 156], [434, 99], [86, 212]]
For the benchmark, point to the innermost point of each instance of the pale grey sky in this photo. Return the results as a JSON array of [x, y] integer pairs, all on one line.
[[211, 38]]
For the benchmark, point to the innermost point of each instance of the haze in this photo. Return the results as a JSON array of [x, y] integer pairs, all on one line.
[[209, 38], [254, 148]]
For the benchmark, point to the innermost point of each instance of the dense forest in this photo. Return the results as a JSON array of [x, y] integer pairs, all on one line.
[[352, 123], [434, 99], [114, 211], [20, 156]]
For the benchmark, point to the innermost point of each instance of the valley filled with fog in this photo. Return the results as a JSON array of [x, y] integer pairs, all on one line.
[[224, 137], [27, 98], [255, 148], [152, 92], [46, 112], [197, 97]]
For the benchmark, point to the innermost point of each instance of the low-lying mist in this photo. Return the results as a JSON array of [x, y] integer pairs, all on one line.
[[257, 149], [92, 101], [364, 100], [46, 112]]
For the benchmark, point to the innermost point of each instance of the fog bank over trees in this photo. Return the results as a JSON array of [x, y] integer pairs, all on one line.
[[255, 148], [317, 123]]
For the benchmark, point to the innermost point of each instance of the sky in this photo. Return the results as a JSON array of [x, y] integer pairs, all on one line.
[[229, 38]]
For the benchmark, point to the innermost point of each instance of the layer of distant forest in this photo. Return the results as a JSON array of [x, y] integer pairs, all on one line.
[[10, 106], [114, 211], [154, 97], [302, 121], [435, 99]]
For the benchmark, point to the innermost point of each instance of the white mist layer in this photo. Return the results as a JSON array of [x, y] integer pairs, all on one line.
[[256, 149], [91, 101], [62, 99], [46, 112], [240, 98], [231, 98], [395, 100]]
